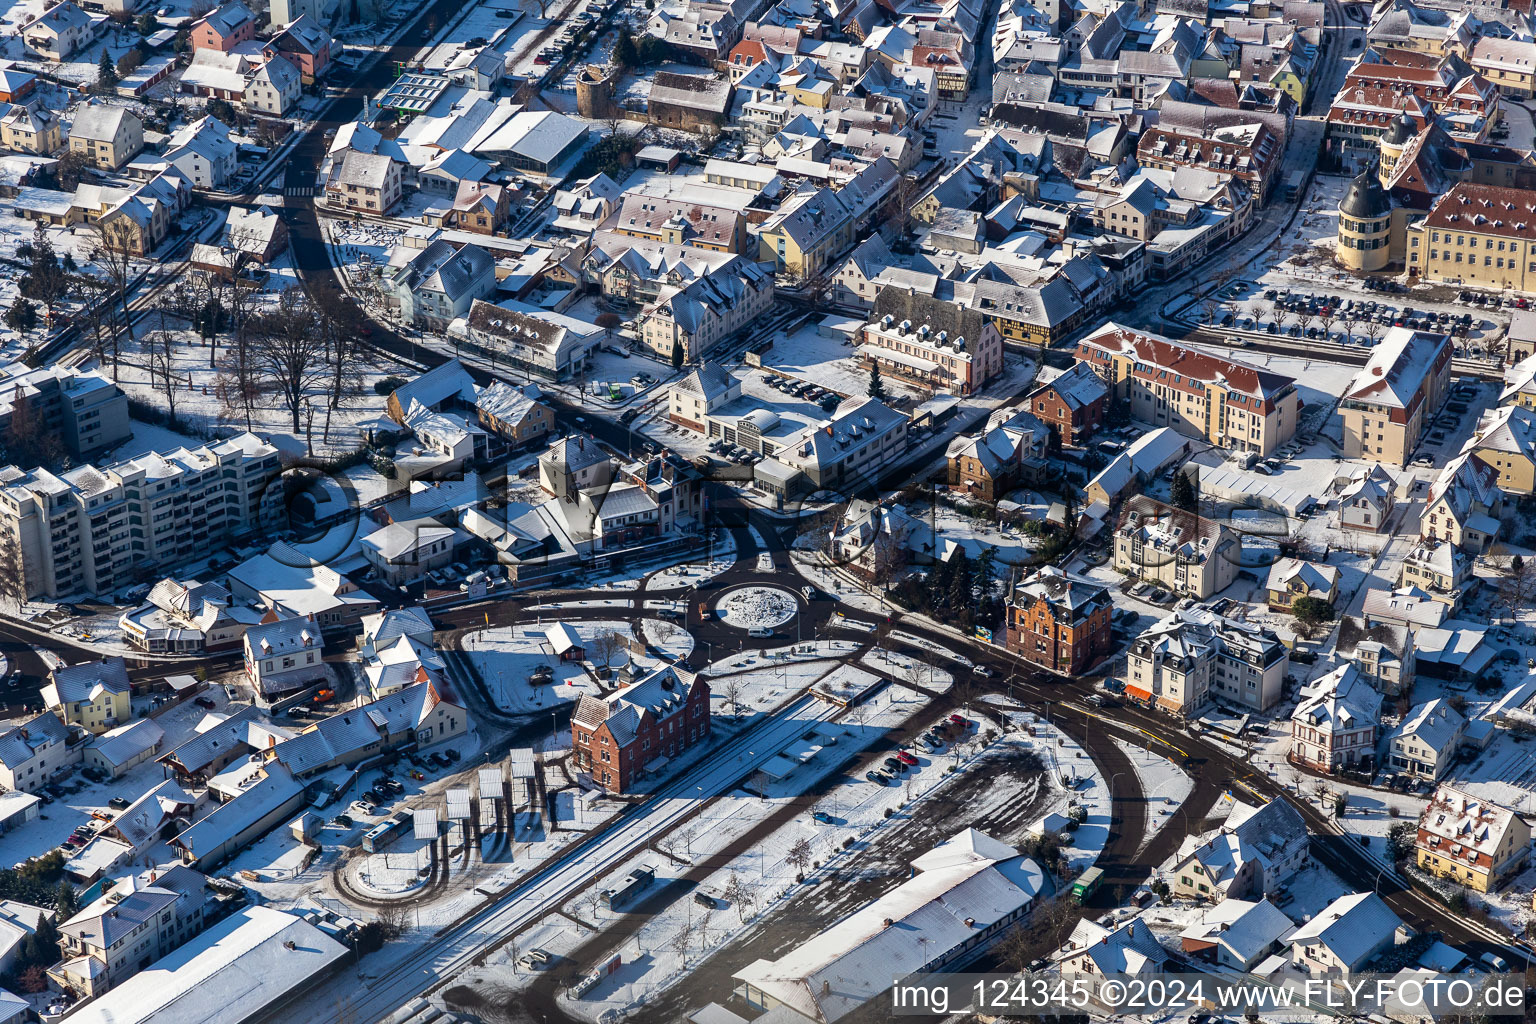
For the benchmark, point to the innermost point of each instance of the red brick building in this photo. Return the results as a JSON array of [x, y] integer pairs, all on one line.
[[1073, 403], [1060, 621], [619, 736]]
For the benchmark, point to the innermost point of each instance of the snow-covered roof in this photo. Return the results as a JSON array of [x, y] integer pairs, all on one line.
[[1398, 368], [126, 742], [249, 960], [1352, 927], [87, 682], [961, 888], [1342, 699]]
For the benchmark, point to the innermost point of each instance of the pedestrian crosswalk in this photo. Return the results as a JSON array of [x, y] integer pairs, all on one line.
[[298, 191]]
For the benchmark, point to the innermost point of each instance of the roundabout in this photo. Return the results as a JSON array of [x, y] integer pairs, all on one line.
[[757, 607]]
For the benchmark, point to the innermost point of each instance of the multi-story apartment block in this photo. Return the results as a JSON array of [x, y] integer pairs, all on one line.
[[1471, 840], [617, 737], [1477, 235], [86, 411], [1249, 153], [1387, 405], [1230, 404], [1335, 724], [1195, 656], [1060, 620], [933, 356], [95, 529], [1073, 403], [1189, 554], [136, 922]]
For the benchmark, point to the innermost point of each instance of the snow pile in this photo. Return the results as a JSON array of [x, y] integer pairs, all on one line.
[[756, 607]]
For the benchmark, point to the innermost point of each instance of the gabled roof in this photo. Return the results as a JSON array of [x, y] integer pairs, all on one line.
[[660, 695], [1341, 700], [229, 18], [87, 683], [1351, 927]]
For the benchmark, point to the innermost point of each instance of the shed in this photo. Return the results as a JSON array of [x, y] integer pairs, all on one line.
[[659, 157]]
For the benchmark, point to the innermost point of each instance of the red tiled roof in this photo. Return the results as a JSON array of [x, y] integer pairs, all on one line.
[[1168, 359]]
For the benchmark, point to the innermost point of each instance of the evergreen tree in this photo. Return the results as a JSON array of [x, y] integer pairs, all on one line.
[[1184, 493], [106, 74], [876, 385], [66, 901], [677, 353], [22, 316], [624, 53]]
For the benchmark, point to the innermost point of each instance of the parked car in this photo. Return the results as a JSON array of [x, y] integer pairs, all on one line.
[[875, 777], [905, 758], [895, 766]]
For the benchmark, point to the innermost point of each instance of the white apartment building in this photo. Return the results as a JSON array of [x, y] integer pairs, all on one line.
[[1195, 656], [93, 530], [137, 921], [1179, 550]]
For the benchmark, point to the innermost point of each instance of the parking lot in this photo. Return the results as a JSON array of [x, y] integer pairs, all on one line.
[[1357, 321]]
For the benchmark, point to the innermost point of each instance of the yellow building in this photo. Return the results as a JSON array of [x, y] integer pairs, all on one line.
[[23, 130], [94, 695], [806, 233], [1365, 225], [1164, 384], [1507, 63], [1469, 840], [1478, 235], [1506, 440], [1387, 404]]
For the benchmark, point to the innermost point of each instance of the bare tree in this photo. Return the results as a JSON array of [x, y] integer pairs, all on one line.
[[13, 583], [1304, 317], [1373, 330], [681, 940], [1015, 950], [290, 351], [345, 354], [740, 894], [1517, 588], [605, 645], [160, 362], [1326, 322], [732, 691], [116, 242], [704, 929], [799, 855]]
